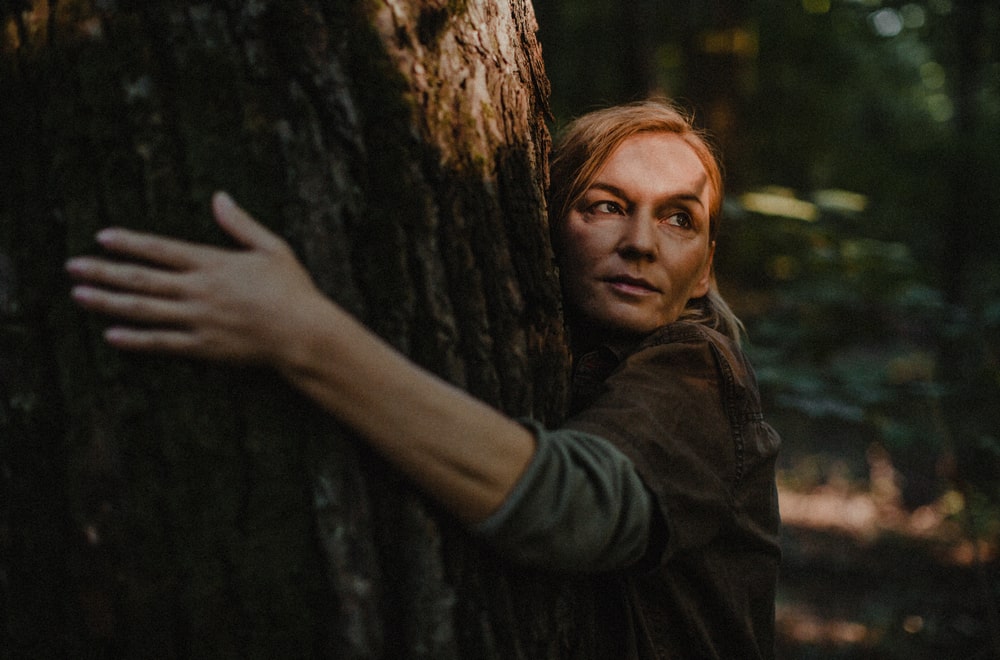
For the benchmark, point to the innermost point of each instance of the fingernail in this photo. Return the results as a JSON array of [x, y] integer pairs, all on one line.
[[222, 198], [78, 266], [81, 293], [106, 236]]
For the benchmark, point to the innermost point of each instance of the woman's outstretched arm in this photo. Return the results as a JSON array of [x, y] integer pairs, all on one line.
[[257, 305], [554, 500], [455, 447]]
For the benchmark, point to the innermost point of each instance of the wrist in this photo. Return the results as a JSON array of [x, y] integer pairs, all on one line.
[[309, 336]]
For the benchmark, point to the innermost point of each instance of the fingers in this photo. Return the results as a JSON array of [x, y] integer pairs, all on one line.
[[169, 252], [124, 276], [131, 306], [241, 226], [183, 255], [157, 341], [187, 298]]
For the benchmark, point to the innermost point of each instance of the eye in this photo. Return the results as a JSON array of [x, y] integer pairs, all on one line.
[[606, 207], [680, 219]]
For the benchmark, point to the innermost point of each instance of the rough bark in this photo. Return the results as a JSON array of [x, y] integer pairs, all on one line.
[[161, 507]]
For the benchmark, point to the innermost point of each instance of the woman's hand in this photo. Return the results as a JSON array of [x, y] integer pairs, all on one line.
[[234, 305], [258, 305]]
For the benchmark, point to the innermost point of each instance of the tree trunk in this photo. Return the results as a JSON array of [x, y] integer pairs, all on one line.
[[161, 507]]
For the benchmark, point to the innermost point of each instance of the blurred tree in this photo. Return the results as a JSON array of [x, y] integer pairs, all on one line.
[[699, 53], [601, 51], [159, 507]]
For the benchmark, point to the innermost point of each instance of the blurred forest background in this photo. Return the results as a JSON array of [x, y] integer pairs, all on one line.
[[860, 246]]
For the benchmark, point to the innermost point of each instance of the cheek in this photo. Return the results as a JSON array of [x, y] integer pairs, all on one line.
[[697, 275]]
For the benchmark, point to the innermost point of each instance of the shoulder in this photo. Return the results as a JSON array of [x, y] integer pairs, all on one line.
[[673, 377], [686, 333], [694, 347], [684, 396]]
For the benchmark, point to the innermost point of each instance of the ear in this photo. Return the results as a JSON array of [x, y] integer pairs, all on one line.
[[704, 283]]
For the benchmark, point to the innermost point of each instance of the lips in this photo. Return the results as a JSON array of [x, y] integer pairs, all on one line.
[[631, 284]]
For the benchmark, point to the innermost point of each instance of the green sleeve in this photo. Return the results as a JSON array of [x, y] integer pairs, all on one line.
[[580, 506]]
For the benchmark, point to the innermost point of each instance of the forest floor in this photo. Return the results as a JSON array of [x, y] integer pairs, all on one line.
[[863, 578]]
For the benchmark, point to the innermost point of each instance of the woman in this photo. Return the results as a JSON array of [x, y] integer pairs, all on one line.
[[662, 480]]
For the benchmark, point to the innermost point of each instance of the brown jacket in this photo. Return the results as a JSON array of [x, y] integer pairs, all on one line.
[[684, 406], [660, 485]]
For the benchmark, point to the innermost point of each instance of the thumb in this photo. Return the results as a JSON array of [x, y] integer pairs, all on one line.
[[240, 225]]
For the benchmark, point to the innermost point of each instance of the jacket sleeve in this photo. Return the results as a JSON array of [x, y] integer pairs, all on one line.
[[580, 506]]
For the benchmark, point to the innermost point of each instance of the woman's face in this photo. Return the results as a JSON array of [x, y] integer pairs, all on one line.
[[635, 247]]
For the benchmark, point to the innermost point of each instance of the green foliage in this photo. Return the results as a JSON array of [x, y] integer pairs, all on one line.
[[878, 322]]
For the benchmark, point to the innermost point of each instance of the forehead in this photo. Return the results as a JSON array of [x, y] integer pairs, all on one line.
[[656, 163]]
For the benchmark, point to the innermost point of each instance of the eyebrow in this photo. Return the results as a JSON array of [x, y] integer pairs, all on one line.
[[618, 192]]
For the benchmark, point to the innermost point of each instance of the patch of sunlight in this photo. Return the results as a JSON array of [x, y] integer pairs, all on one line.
[[886, 22], [858, 512], [844, 201], [779, 202], [799, 624], [940, 107], [913, 624], [866, 512]]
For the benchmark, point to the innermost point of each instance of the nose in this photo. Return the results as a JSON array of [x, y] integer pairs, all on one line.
[[638, 237]]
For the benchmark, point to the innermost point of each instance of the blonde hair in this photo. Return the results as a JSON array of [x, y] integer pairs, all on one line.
[[587, 143]]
